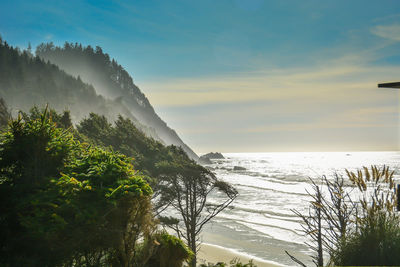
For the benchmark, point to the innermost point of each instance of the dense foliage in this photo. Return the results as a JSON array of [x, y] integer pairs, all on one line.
[[126, 138], [75, 194], [64, 203], [179, 182]]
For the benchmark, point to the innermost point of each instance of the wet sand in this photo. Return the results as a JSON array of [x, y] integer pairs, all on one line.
[[214, 254]]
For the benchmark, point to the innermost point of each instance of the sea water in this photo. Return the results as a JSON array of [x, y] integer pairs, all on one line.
[[261, 222]]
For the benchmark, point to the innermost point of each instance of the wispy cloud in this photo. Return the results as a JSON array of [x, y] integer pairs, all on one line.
[[391, 32], [320, 83], [338, 99], [375, 117]]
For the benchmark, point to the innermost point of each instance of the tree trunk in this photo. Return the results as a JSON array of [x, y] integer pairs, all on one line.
[[193, 247]]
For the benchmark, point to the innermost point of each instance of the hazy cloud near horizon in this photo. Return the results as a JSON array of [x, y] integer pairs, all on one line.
[[303, 104]]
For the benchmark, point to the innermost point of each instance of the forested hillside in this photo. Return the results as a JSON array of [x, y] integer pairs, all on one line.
[[27, 80], [112, 81], [79, 188]]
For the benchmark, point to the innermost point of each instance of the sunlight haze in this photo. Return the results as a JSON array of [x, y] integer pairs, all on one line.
[[243, 76]]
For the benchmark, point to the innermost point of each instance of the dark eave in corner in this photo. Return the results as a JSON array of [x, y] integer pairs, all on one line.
[[389, 85]]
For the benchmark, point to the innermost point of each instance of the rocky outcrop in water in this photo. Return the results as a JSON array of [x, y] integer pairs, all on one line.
[[238, 168], [206, 159], [213, 155]]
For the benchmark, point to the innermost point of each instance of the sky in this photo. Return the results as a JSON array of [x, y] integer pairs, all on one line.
[[243, 75]]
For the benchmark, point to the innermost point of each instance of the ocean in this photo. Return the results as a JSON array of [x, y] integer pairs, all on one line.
[[260, 221]]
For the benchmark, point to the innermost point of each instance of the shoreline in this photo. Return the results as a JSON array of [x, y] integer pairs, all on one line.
[[214, 253]]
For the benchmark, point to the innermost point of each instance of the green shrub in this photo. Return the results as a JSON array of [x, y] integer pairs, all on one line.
[[166, 251], [233, 263], [377, 242]]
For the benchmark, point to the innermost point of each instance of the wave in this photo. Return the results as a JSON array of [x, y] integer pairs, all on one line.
[[270, 189], [277, 175], [275, 183], [265, 230], [260, 224], [277, 215]]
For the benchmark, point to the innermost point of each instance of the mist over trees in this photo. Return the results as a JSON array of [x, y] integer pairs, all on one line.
[[27, 80], [112, 81], [74, 177], [5, 115]]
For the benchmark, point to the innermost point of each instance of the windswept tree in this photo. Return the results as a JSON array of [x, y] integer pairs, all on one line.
[[189, 187], [177, 181]]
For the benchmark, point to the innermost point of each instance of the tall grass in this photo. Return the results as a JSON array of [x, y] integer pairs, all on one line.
[[358, 229], [376, 242]]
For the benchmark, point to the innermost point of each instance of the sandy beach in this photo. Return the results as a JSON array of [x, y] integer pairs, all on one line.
[[214, 254]]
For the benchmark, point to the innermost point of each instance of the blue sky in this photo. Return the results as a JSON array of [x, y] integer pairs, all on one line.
[[243, 75]]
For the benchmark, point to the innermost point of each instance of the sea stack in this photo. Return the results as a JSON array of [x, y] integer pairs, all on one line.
[[206, 159]]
